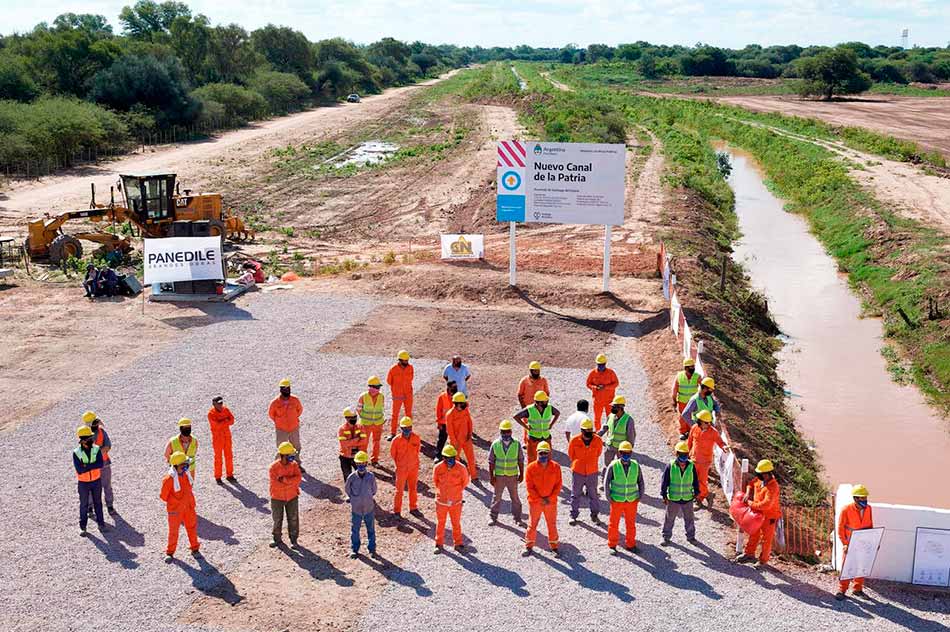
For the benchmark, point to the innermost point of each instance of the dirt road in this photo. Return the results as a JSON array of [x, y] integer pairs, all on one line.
[[925, 121], [196, 162]]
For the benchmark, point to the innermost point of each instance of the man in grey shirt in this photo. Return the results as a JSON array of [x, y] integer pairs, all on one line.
[[360, 493], [457, 372]]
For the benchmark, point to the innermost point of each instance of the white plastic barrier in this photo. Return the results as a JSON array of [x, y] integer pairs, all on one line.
[[895, 559]]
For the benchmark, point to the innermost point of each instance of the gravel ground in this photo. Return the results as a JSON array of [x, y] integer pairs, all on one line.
[[682, 587], [119, 582]]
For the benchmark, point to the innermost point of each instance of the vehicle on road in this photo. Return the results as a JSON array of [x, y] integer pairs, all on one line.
[[353, 98]]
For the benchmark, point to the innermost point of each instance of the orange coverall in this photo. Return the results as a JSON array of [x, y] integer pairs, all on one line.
[[765, 500], [399, 379], [603, 397], [181, 511], [460, 428], [221, 422], [852, 518], [405, 454], [528, 386], [701, 443], [285, 413], [442, 406], [543, 482], [449, 483]]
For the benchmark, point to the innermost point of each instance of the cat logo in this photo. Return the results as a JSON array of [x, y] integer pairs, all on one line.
[[462, 247]]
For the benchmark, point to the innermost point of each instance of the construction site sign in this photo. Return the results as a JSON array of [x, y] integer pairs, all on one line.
[[171, 259], [862, 552], [463, 246], [561, 183]]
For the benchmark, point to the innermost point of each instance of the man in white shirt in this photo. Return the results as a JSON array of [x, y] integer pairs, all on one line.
[[458, 373], [573, 424]]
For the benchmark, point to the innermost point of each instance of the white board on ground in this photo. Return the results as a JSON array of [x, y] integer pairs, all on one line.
[[463, 246], [862, 551], [931, 557], [575, 183], [171, 259]]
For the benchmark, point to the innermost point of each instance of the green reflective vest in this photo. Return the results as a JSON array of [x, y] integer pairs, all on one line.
[[623, 485], [704, 404], [506, 461], [686, 387], [192, 447], [681, 482], [617, 429], [86, 459], [371, 414], [539, 424]]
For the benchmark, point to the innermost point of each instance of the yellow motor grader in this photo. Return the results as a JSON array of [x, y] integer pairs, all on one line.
[[151, 202]]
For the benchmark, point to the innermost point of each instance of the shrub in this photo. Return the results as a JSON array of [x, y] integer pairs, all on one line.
[[283, 91], [240, 104], [159, 85]]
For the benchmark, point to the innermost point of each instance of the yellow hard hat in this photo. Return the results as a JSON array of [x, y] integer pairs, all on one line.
[[704, 415], [83, 431], [459, 398], [177, 458], [184, 422], [88, 417], [286, 448], [284, 383], [689, 362], [505, 425], [361, 457], [587, 424], [540, 396], [764, 466], [449, 451], [402, 355], [708, 382], [682, 446], [544, 446], [374, 381], [600, 359], [405, 422], [860, 491], [348, 412], [534, 366], [625, 446], [619, 400]]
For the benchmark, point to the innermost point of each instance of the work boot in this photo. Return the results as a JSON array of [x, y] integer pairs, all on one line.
[[743, 559], [112, 511], [613, 551], [839, 596], [438, 549], [493, 520], [633, 549], [760, 565], [219, 481], [373, 554], [572, 521], [527, 552], [665, 542], [354, 555], [231, 479], [556, 551], [683, 437], [169, 558], [195, 553], [459, 548], [302, 471], [82, 533], [390, 437], [416, 512], [595, 519], [274, 543], [520, 522], [692, 540], [858, 593]]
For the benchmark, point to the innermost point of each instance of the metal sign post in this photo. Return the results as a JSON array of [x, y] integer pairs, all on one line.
[[512, 268], [607, 233]]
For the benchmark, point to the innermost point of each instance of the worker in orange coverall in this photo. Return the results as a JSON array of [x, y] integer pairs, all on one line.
[[762, 495], [542, 478], [701, 441], [854, 517], [450, 480], [458, 423], [180, 505], [405, 453], [399, 379], [603, 384], [220, 419]]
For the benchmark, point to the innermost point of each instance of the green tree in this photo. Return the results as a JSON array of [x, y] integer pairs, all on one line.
[[648, 66], [285, 49], [596, 52], [240, 104], [283, 91], [629, 52], [191, 40], [16, 82], [231, 57], [159, 85], [147, 18], [95, 25], [832, 72]]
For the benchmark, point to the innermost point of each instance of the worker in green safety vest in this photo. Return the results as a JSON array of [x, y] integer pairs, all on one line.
[[703, 400], [679, 487], [619, 428], [685, 385], [183, 442], [505, 471], [537, 421], [623, 485]]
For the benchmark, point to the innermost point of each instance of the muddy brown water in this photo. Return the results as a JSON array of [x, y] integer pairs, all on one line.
[[866, 427]]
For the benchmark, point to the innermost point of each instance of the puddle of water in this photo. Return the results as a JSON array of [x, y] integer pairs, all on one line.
[[369, 153], [865, 427], [521, 82]]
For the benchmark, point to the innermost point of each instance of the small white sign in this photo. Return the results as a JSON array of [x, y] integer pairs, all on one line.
[[931, 557], [862, 551], [463, 246], [171, 259]]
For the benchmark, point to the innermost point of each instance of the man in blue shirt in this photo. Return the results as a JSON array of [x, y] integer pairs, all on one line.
[[458, 373]]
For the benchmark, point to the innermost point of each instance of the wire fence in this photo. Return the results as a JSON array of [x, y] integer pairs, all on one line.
[[41, 166]]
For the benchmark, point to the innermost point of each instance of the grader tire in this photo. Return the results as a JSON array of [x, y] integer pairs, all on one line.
[[63, 247], [217, 229]]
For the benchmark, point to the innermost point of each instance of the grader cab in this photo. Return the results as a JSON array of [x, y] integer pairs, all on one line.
[[152, 203]]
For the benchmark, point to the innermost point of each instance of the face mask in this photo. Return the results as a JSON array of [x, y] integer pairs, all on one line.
[[861, 502], [360, 469], [506, 437], [683, 458], [543, 458], [588, 434], [185, 432], [184, 467], [291, 458], [601, 368], [406, 432], [625, 458], [450, 461]]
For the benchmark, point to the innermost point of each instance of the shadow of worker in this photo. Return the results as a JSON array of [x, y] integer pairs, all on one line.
[[210, 581]]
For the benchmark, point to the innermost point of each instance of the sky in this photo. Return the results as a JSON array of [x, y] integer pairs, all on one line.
[[728, 23]]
